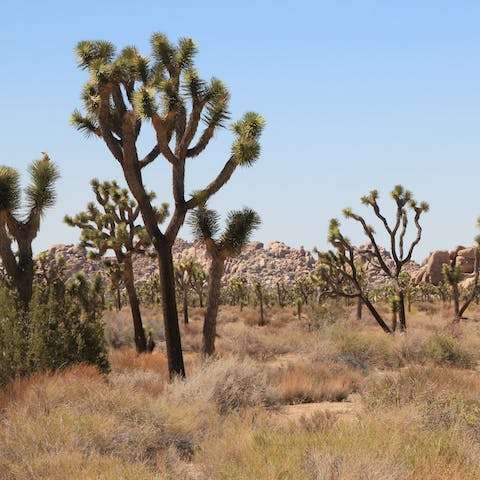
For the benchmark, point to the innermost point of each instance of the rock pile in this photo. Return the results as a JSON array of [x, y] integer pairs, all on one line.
[[431, 271], [277, 262]]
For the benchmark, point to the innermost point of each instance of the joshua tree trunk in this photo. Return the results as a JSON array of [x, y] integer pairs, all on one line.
[[173, 341], [394, 320], [456, 299], [139, 333], [24, 277], [163, 247], [376, 315], [401, 311], [185, 305], [118, 298], [213, 300], [359, 308], [261, 321]]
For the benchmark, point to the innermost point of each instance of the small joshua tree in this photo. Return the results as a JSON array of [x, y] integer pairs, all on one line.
[[452, 275], [342, 273], [116, 228], [238, 292], [260, 294], [205, 225], [40, 195], [183, 280], [126, 91], [198, 280], [401, 254]]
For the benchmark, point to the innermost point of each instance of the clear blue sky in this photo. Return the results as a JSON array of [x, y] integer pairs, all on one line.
[[357, 95]]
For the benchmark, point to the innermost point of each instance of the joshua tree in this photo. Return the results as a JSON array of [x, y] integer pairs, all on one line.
[[282, 293], [452, 275], [238, 291], [115, 228], [183, 280], [260, 294], [304, 288], [40, 195], [205, 225], [124, 91], [342, 274], [198, 280], [115, 274], [401, 254]]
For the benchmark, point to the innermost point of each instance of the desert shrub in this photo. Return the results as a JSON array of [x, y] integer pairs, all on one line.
[[319, 382], [446, 350], [328, 465], [231, 384], [453, 410], [419, 385], [257, 343], [76, 412], [62, 325], [365, 348]]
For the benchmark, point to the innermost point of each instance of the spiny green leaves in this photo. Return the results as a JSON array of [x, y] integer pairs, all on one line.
[[170, 57], [144, 102], [240, 225], [193, 84], [218, 99], [246, 148], [87, 124], [9, 189], [163, 50], [89, 51], [204, 223], [41, 191]]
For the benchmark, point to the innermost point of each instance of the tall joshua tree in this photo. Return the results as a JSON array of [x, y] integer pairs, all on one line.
[[116, 228], [127, 89], [205, 225], [401, 254], [40, 195]]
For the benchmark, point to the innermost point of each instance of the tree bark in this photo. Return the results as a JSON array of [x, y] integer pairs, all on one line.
[[359, 308], [185, 305], [139, 333], [401, 311], [173, 340], [163, 247], [25, 271], [213, 300], [376, 315]]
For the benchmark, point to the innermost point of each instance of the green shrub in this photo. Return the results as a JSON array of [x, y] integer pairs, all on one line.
[[446, 350], [62, 326]]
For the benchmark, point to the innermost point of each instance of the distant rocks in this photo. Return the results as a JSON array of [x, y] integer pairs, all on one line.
[[277, 262], [431, 271]]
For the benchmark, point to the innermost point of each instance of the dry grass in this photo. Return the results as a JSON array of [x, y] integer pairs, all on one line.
[[317, 383], [230, 383], [421, 420]]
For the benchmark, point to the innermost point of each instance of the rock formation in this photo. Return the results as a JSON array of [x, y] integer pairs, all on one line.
[[431, 271]]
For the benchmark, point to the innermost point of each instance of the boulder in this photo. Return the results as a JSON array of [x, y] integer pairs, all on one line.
[[433, 268]]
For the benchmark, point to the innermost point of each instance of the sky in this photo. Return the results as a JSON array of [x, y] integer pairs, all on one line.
[[357, 95]]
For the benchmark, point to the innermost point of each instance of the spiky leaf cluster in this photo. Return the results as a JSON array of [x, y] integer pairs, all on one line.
[[240, 224], [246, 148], [40, 193], [9, 189]]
